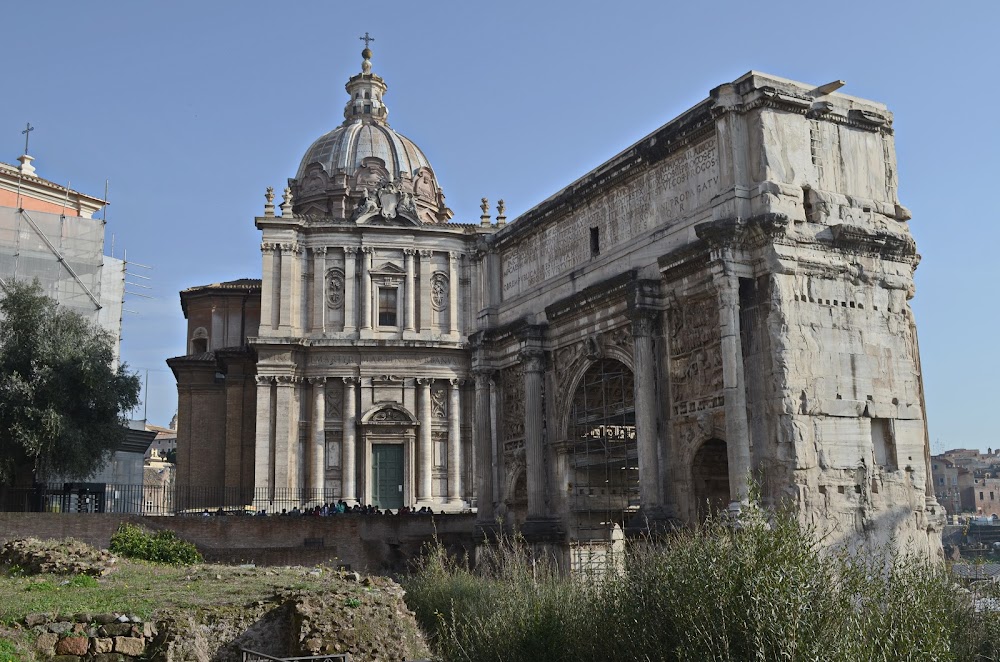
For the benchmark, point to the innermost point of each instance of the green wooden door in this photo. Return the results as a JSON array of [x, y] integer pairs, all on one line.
[[387, 475]]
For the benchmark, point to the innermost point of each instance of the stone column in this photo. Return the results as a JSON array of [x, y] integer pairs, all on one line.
[[350, 312], [453, 300], [318, 460], [426, 272], [410, 293], [262, 476], [365, 317], [733, 386], [285, 291], [268, 283], [533, 361], [646, 429], [301, 292], [484, 447], [319, 285], [455, 444], [286, 437], [425, 493], [347, 466]]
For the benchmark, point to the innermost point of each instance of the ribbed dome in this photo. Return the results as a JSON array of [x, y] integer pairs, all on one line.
[[343, 149]]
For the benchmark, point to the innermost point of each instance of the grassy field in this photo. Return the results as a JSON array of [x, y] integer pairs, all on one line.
[[148, 591]]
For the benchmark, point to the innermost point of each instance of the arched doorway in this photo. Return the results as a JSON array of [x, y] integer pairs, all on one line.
[[710, 478], [602, 452]]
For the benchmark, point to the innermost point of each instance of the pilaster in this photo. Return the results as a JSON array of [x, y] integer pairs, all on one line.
[[348, 469], [319, 289], [318, 455], [264, 447], [733, 384], [455, 444], [425, 494], [409, 329], [453, 302], [350, 300], [426, 273], [365, 308], [484, 448]]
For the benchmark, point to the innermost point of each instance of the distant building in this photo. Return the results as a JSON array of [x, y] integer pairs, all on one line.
[[48, 232], [164, 443], [987, 494], [983, 465], [953, 485]]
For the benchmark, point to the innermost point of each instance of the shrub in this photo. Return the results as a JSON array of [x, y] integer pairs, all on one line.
[[765, 590], [134, 542]]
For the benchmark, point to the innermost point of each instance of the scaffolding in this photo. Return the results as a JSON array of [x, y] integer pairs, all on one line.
[[603, 451], [66, 255]]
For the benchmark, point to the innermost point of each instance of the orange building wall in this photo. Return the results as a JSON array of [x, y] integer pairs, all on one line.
[[9, 199]]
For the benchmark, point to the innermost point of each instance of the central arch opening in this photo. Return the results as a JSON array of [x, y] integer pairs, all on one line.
[[603, 455], [710, 478]]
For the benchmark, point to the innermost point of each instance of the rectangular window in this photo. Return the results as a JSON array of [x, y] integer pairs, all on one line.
[[981, 496], [991, 496], [387, 306], [595, 242]]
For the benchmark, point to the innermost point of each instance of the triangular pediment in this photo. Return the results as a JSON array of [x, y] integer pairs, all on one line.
[[389, 268]]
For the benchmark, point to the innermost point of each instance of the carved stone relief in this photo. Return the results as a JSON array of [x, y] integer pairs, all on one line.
[[335, 288], [439, 402], [695, 356], [512, 390], [439, 291], [334, 396]]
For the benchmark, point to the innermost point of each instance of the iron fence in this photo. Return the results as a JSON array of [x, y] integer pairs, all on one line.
[[254, 656], [162, 500]]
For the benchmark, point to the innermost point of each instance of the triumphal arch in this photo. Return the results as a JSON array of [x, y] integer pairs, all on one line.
[[724, 301]]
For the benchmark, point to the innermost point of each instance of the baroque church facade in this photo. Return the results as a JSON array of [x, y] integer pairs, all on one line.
[[722, 304]]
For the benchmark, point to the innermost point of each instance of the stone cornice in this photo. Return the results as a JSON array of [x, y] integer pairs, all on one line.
[[598, 295]]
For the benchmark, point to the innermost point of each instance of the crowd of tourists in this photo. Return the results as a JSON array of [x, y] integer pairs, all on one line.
[[330, 509]]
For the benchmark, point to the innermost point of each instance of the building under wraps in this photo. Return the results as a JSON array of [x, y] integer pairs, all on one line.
[[48, 232]]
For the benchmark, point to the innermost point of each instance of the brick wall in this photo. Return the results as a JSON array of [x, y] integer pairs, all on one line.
[[365, 543]]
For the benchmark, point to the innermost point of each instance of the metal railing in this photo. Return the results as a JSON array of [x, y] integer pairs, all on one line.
[[165, 500], [254, 656]]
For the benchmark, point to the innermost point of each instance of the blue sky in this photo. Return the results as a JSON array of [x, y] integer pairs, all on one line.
[[191, 109]]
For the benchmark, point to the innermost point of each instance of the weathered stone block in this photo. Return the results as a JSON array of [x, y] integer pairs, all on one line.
[[102, 645], [110, 657], [133, 646], [60, 627], [72, 646], [31, 620], [116, 630], [46, 643]]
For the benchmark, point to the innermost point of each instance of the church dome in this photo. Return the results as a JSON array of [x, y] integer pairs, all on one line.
[[344, 149], [345, 172]]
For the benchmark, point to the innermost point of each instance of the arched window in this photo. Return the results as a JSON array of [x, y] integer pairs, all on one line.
[[603, 452]]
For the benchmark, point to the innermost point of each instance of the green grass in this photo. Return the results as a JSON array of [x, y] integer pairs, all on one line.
[[145, 589], [8, 652]]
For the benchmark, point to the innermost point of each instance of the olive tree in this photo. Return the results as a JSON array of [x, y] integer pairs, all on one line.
[[63, 403]]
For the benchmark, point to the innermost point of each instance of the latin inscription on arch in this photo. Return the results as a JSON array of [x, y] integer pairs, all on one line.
[[671, 190]]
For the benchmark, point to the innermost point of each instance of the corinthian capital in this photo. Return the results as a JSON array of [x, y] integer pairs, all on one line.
[[532, 360]]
